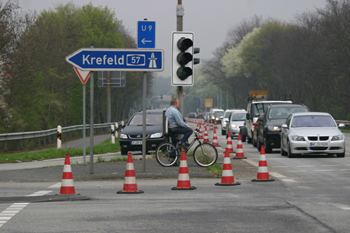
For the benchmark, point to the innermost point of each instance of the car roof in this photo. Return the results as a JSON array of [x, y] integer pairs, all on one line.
[[272, 101], [233, 110], [311, 113], [151, 111], [287, 105]]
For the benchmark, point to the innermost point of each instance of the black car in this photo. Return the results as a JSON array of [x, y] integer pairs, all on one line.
[[192, 115], [131, 135], [269, 125]]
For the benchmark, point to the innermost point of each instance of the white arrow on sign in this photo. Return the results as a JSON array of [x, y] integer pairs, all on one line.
[[144, 41], [82, 74]]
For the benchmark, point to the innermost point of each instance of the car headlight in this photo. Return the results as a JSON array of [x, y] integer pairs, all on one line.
[[274, 128], [123, 136], [217, 118], [337, 137], [156, 135], [233, 125], [297, 138]]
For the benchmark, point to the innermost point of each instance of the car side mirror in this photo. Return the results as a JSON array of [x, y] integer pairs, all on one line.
[[341, 125], [221, 117], [248, 116], [285, 126], [261, 118]]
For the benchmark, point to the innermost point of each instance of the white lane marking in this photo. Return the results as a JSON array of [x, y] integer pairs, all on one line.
[[277, 175], [57, 185], [39, 193], [323, 170], [279, 166], [343, 207], [289, 180], [306, 166], [10, 211], [330, 165], [251, 162]]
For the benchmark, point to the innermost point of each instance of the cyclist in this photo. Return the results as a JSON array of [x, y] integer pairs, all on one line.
[[176, 123]]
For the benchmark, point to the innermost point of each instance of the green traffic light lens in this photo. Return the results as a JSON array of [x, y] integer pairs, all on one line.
[[184, 72]]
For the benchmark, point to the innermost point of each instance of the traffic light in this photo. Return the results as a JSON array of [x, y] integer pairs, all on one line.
[[182, 58]]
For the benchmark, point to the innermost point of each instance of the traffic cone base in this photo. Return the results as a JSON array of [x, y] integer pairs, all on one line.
[[130, 186], [183, 181]]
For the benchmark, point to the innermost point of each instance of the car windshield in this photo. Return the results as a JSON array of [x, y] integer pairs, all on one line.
[[312, 121], [241, 116], [151, 119], [260, 108], [227, 114], [283, 113], [218, 114]]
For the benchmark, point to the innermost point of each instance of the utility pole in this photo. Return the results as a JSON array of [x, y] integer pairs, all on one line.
[[179, 17]]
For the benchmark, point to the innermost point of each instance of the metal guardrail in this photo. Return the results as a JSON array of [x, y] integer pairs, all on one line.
[[45, 133], [48, 134]]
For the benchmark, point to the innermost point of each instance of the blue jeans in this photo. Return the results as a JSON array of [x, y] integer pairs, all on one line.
[[187, 132]]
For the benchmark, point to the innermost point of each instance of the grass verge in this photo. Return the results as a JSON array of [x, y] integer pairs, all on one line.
[[105, 147], [216, 170]]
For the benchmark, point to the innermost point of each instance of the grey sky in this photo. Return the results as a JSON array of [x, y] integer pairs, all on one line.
[[208, 19]]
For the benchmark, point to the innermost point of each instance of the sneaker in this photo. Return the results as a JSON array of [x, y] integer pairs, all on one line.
[[184, 144]]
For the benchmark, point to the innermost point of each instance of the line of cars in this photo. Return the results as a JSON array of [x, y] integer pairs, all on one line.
[[293, 129]]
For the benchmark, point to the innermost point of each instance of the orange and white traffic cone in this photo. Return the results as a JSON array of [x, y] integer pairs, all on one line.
[[130, 186], [263, 173], [183, 181], [200, 134], [239, 151], [206, 138], [229, 147], [211, 125], [67, 186], [227, 174], [215, 139], [215, 126]]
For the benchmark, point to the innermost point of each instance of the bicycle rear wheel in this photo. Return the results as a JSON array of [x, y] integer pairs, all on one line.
[[205, 154], [166, 154]]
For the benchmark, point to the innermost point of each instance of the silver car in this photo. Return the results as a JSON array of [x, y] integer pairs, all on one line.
[[312, 133], [236, 120]]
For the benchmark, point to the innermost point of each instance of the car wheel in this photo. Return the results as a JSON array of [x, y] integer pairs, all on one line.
[[282, 151], [254, 142], [268, 148], [258, 145], [290, 155], [123, 152], [341, 155], [250, 140], [223, 132], [243, 138]]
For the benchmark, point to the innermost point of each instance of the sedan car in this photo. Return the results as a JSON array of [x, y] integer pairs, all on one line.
[[192, 115], [269, 125], [131, 135], [236, 120], [312, 133]]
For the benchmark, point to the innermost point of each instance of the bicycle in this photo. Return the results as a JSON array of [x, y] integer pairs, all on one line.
[[204, 154]]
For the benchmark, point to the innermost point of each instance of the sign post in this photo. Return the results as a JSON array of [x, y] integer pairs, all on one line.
[[83, 76]]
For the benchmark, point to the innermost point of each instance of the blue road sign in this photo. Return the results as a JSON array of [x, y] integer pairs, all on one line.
[[97, 59], [146, 34]]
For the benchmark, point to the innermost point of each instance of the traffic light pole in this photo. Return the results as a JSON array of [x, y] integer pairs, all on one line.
[[179, 15]]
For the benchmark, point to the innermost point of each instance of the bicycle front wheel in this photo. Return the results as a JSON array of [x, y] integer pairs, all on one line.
[[166, 154], [205, 154]]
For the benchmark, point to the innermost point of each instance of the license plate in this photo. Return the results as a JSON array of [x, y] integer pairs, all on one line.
[[136, 142], [318, 144]]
